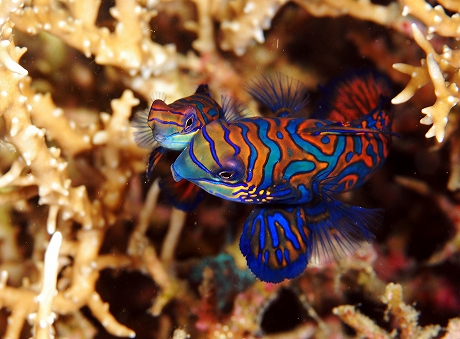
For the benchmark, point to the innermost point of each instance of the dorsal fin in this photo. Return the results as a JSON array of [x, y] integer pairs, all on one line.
[[233, 109], [352, 95], [283, 95], [203, 89]]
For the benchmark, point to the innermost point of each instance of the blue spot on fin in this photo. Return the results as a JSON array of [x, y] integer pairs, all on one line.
[[337, 229], [143, 135], [233, 109], [181, 194], [281, 94], [276, 243], [154, 157]]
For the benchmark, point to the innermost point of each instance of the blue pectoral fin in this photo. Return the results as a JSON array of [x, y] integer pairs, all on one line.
[[337, 229], [276, 243], [154, 157], [182, 194]]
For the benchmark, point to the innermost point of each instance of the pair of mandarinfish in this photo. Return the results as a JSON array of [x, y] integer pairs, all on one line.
[[290, 168]]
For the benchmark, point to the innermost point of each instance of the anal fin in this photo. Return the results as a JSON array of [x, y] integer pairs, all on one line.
[[275, 242]]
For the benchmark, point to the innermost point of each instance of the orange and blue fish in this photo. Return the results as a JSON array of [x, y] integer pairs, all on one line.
[[172, 126], [292, 169]]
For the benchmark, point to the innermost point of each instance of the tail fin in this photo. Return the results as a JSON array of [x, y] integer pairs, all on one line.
[[353, 95], [279, 241], [337, 229]]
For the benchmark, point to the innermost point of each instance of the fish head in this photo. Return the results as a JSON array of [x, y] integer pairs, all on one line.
[[173, 126], [212, 162]]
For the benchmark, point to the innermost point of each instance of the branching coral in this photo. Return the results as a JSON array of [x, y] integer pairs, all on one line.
[[404, 316], [433, 69], [71, 185]]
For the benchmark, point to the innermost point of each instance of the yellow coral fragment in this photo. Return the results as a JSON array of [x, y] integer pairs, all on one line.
[[419, 78], [447, 97], [7, 61], [432, 69]]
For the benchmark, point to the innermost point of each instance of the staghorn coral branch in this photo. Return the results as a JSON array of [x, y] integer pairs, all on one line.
[[453, 329], [137, 240], [434, 18], [239, 33], [101, 312], [432, 69], [447, 97], [205, 42], [21, 302], [84, 276], [363, 9], [45, 163], [451, 5], [419, 78], [245, 28], [362, 324], [45, 114], [169, 286], [176, 224], [405, 317], [6, 8], [45, 316], [128, 47], [7, 61], [84, 10], [117, 139], [18, 194]]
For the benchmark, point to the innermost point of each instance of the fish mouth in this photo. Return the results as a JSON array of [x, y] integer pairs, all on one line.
[[175, 175], [159, 137]]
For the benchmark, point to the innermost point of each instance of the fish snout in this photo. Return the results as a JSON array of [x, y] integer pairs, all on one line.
[[158, 137], [175, 175]]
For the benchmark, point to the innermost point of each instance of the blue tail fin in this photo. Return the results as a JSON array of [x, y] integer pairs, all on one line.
[[337, 229], [276, 243], [279, 241], [281, 94]]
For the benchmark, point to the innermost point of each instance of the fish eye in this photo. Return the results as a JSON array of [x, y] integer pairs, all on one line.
[[226, 175], [189, 122], [232, 169]]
